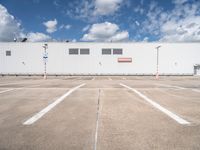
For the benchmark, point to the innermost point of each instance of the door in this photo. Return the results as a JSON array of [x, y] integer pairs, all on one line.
[[197, 70]]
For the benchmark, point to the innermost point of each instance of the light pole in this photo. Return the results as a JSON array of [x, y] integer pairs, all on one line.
[[157, 62], [45, 57]]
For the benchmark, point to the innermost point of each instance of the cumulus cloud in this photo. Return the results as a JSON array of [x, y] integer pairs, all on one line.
[[67, 27], [86, 28], [179, 1], [51, 25], [105, 32], [105, 7], [37, 37], [9, 26], [181, 24], [11, 29], [93, 10]]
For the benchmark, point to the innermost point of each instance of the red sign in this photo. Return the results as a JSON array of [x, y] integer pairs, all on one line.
[[125, 59]]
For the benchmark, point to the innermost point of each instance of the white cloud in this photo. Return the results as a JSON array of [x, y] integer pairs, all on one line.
[[93, 10], [185, 30], [86, 28], [106, 7], [37, 37], [105, 32], [139, 10], [67, 27], [9, 26], [146, 39], [51, 25], [181, 24], [179, 1], [56, 3], [137, 23], [120, 36], [74, 40]]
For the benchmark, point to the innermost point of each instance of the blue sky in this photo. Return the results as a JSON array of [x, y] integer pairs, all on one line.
[[100, 20]]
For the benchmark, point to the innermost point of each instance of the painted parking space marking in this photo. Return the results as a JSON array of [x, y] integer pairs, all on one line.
[[38, 115], [195, 90], [97, 121], [158, 106], [171, 86], [109, 79], [15, 89], [11, 83], [179, 87], [6, 91]]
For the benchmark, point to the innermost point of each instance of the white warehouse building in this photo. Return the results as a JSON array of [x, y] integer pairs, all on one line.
[[100, 58]]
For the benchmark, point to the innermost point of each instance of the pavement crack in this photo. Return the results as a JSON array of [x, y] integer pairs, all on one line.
[[97, 120]]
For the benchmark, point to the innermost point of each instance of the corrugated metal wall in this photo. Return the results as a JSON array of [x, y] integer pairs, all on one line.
[[27, 58]]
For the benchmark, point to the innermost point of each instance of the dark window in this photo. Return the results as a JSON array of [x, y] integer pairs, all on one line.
[[73, 51], [8, 53], [117, 52], [84, 51], [106, 51]]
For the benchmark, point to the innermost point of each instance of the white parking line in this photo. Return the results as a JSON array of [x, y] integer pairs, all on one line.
[[11, 83], [97, 121], [6, 91], [196, 90], [173, 86], [159, 107], [109, 79], [49, 107], [179, 87], [15, 89]]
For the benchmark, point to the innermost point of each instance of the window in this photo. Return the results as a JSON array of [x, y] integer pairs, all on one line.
[[117, 51], [8, 53], [84, 51], [73, 51], [106, 51]]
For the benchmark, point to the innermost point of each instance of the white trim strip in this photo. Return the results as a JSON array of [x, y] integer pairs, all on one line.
[[49, 107], [159, 107]]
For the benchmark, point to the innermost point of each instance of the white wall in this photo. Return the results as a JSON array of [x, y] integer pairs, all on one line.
[[178, 58]]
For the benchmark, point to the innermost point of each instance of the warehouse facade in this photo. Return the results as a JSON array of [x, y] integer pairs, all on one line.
[[100, 58]]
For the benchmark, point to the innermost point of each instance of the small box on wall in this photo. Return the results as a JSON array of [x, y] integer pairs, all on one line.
[[125, 60]]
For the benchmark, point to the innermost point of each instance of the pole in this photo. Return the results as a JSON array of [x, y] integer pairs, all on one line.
[[45, 61], [157, 62], [45, 66]]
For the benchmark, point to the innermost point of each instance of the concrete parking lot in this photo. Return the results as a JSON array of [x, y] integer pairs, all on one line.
[[100, 113]]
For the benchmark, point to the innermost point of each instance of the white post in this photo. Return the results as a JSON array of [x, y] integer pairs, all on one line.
[[157, 62], [45, 60]]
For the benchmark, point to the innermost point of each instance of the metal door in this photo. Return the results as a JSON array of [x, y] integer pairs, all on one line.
[[197, 70]]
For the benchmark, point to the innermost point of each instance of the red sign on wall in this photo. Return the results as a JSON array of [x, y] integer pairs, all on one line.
[[125, 60]]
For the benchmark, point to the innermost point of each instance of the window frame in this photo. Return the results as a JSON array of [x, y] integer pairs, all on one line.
[[8, 52], [117, 49], [70, 53], [104, 49], [83, 49]]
